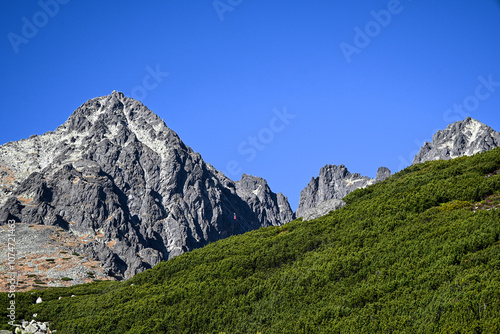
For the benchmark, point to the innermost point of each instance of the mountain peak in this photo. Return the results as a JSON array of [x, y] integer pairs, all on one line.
[[116, 176], [466, 137], [112, 108]]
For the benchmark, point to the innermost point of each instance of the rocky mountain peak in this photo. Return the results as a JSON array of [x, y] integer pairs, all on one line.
[[461, 138], [116, 116], [255, 191], [116, 176], [382, 174], [333, 182]]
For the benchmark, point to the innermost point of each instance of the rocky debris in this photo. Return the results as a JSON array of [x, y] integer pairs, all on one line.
[[334, 182], [323, 208], [462, 138], [31, 327], [491, 202], [116, 176], [47, 256]]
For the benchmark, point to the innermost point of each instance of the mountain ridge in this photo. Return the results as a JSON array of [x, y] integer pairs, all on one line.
[[416, 253], [117, 176]]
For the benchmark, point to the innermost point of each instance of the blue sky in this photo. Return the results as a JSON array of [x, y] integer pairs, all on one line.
[[275, 89]]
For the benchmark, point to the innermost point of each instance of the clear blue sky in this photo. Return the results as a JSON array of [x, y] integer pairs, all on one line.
[[366, 81]]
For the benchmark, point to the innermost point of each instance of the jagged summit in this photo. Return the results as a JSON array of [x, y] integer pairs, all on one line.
[[107, 120], [461, 138], [116, 103], [111, 115], [255, 190], [116, 176], [333, 183]]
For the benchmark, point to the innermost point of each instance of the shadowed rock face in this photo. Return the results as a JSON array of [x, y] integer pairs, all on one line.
[[463, 138], [114, 170], [382, 174], [333, 182]]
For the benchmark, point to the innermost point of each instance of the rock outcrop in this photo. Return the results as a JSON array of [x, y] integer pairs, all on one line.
[[333, 182], [32, 327], [463, 138], [323, 208], [255, 192], [382, 174], [114, 171]]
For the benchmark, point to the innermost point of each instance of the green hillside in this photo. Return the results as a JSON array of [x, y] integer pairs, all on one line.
[[418, 253]]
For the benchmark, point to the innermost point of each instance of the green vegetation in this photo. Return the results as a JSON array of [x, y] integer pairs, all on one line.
[[66, 279], [414, 254], [37, 287]]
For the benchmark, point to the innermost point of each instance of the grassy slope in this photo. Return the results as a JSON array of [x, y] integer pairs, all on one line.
[[408, 255]]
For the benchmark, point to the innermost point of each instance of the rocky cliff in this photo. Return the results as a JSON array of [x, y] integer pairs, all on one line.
[[333, 182], [461, 138], [322, 209], [115, 174]]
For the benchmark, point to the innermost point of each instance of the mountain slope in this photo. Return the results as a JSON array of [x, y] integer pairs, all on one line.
[[417, 253], [461, 138], [115, 175]]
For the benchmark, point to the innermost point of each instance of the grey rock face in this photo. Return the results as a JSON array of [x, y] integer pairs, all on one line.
[[334, 182], [323, 208], [382, 174], [255, 192], [115, 171], [463, 138]]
